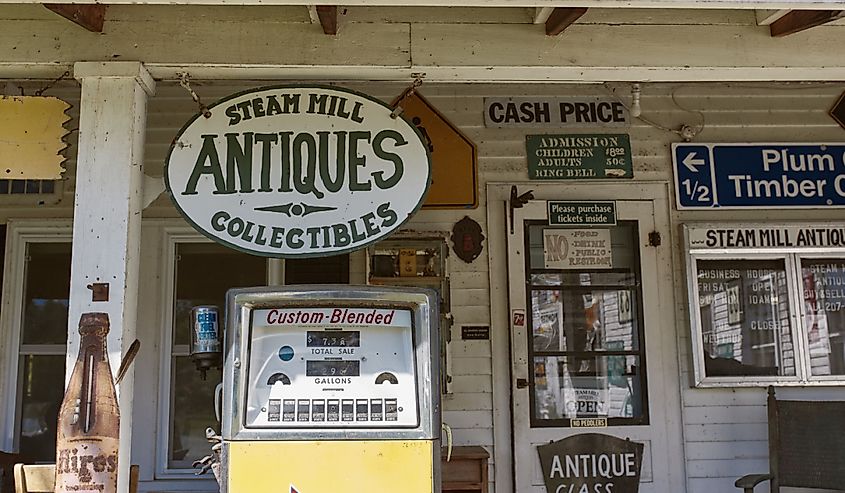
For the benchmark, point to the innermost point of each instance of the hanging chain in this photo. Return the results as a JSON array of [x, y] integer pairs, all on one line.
[[185, 82], [418, 81], [51, 84]]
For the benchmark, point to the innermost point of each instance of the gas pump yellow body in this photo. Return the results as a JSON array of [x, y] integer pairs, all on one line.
[[330, 397], [332, 466]]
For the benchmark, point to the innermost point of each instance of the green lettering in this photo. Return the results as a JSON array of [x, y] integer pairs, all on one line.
[[356, 161], [239, 158], [398, 166], [208, 153]]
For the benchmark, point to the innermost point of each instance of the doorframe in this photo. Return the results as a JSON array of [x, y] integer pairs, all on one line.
[[498, 194]]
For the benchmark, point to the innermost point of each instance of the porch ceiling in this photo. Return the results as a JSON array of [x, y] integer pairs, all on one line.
[[457, 44]]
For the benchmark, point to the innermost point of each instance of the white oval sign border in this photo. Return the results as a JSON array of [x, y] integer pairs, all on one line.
[[310, 254]]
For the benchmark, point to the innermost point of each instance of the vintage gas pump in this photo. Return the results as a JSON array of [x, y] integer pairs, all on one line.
[[331, 389]]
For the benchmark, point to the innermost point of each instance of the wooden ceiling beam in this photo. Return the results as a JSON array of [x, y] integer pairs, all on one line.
[[328, 18], [561, 18], [91, 17], [800, 20]]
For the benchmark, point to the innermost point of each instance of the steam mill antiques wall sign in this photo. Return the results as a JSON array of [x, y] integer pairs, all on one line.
[[298, 171]]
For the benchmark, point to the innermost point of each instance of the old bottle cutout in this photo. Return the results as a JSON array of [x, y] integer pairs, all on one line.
[[89, 420]]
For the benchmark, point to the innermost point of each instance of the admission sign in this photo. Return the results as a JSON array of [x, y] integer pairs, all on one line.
[[298, 171]]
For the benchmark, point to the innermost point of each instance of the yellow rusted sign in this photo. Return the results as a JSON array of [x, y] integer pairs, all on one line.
[[32, 137], [454, 169]]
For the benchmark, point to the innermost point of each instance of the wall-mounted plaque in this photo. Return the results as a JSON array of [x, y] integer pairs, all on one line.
[[578, 156], [591, 463]]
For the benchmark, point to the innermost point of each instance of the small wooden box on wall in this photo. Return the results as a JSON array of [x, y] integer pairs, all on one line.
[[466, 471]]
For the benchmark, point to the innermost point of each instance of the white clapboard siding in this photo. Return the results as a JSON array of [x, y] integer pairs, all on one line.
[[724, 429]]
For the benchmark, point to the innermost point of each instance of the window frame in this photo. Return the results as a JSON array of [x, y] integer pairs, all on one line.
[[19, 234], [171, 237], [792, 257]]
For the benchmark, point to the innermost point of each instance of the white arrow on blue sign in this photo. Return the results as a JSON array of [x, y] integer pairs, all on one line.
[[693, 175], [748, 176]]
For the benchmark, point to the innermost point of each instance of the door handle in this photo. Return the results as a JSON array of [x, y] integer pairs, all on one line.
[[521, 383]]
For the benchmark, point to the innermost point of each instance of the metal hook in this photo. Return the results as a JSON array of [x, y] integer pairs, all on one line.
[[185, 82]]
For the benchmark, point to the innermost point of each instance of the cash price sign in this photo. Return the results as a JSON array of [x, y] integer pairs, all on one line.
[[747, 176]]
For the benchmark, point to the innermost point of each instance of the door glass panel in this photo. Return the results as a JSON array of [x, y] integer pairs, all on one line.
[[824, 314], [744, 310], [587, 387], [586, 326], [577, 319]]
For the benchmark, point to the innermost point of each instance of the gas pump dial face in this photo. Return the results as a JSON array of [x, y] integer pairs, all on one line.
[[342, 367]]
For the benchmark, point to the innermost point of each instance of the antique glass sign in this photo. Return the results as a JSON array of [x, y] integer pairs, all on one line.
[[298, 171], [591, 463]]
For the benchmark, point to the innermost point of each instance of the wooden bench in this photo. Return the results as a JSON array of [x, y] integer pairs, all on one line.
[[806, 446]]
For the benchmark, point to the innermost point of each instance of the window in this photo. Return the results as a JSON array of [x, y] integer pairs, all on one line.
[[37, 277], [767, 303], [586, 340], [200, 273], [204, 272]]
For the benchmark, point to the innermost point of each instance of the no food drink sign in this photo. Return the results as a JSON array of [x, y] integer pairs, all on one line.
[[298, 171]]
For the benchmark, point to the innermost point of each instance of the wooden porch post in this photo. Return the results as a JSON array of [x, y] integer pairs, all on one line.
[[107, 216]]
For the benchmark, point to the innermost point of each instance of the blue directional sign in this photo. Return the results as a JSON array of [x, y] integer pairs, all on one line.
[[748, 176]]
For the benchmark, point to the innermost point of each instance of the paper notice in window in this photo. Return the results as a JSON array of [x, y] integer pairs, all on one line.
[[570, 249]]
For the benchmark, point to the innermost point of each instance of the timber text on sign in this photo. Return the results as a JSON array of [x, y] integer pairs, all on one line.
[[298, 171]]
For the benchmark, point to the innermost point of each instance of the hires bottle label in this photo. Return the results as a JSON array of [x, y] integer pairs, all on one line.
[[89, 467]]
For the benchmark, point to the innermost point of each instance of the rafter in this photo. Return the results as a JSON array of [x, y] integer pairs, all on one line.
[[800, 20], [561, 18], [91, 17], [328, 18]]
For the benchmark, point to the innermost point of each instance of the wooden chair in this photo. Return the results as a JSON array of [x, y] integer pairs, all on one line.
[[806, 446], [41, 478]]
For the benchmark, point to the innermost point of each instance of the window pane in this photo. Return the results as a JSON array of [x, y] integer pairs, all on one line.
[[584, 320], [824, 314], [744, 310], [41, 389], [568, 387], [193, 412], [204, 272], [47, 288]]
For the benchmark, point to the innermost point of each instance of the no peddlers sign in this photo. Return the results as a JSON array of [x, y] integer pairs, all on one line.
[[298, 171]]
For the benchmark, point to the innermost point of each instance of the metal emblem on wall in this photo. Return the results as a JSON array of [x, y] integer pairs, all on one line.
[[591, 463], [466, 239], [298, 171]]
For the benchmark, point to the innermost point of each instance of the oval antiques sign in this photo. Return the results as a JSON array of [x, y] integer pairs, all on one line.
[[298, 171]]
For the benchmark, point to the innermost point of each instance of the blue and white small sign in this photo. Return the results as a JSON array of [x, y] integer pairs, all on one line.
[[748, 176]]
